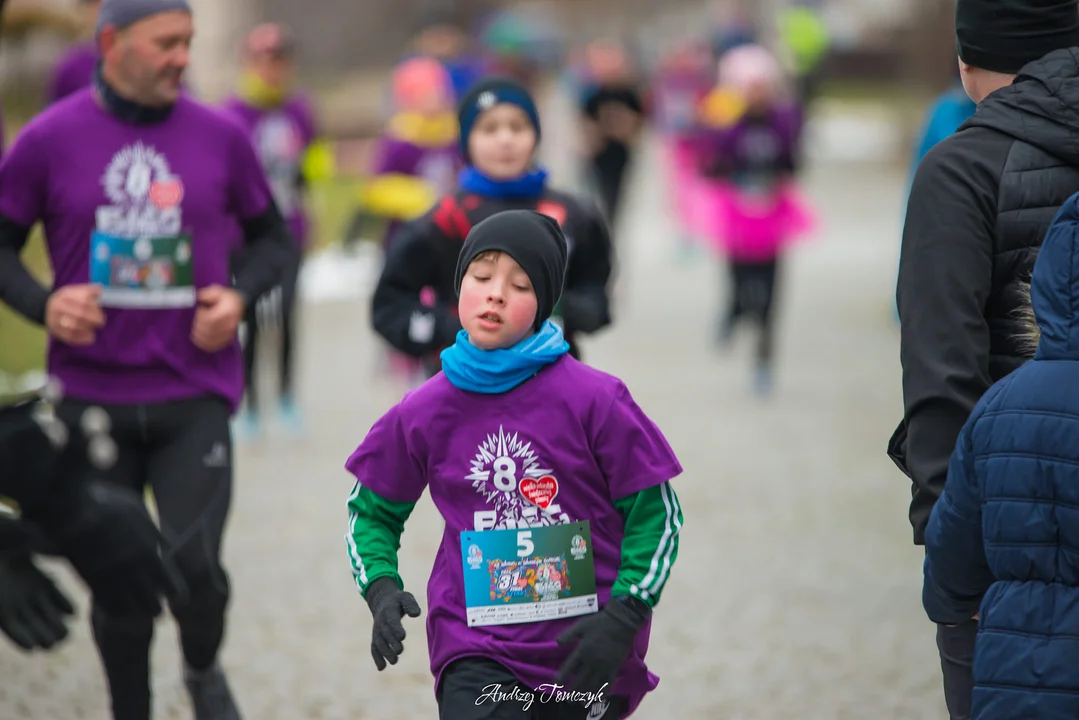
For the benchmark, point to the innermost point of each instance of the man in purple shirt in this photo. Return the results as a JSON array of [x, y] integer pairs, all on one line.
[[140, 189], [75, 70]]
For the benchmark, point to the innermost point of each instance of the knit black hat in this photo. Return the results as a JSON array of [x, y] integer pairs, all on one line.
[[487, 93], [534, 240], [1005, 35]]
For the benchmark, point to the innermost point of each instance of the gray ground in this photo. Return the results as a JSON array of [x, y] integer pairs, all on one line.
[[796, 594]]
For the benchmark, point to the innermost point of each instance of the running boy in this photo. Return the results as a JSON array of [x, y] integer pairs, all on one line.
[[500, 129], [561, 523]]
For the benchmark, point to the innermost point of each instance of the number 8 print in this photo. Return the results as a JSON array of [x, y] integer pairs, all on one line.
[[505, 474]]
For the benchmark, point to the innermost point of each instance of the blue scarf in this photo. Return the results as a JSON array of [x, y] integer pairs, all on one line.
[[529, 185], [492, 372]]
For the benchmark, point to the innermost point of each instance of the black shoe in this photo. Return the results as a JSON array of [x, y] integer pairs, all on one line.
[[210, 694]]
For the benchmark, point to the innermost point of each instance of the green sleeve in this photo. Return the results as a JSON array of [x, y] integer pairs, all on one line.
[[650, 544], [375, 525]]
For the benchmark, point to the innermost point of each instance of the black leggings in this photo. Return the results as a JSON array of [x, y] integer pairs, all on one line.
[[183, 451], [480, 689], [609, 171], [753, 293], [283, 298]]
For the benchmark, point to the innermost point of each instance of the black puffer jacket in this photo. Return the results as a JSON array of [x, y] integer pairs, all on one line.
[[978, 211]]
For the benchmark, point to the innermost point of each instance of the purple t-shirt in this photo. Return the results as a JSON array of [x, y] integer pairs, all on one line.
[[571, 422], [74, 72], [86, 175], [437, 166], [281, 138]]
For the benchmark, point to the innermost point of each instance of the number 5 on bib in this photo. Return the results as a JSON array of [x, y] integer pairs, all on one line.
[[528, 575]]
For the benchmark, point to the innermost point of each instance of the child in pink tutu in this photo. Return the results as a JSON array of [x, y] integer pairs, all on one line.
[[755, 208]]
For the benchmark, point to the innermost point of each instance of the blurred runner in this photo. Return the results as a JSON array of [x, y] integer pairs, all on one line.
[[416, 162], [140, 189], [282, 127], [75, 70], [105, 533], [500, 130], [613, 111], [756, 210]]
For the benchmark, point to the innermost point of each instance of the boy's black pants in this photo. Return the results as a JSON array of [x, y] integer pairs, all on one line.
[[753, 294], [481, 689]]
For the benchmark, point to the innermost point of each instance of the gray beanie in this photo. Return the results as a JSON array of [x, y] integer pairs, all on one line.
[[122, 13]]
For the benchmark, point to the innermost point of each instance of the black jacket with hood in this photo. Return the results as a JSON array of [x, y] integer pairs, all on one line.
[[979, 207]]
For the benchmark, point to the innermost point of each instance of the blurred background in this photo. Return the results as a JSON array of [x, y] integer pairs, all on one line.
[[797, 593]]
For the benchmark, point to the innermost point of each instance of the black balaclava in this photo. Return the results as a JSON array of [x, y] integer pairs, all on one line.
[[534, 240], [1004, 35]]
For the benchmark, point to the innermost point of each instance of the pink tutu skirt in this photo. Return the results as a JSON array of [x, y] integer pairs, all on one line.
[[749, 227]]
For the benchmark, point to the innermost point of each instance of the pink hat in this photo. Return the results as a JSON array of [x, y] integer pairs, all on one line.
[[415, 80], [748, 66]]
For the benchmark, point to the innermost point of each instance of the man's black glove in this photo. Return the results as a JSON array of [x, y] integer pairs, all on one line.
[[32, 608], [606, 639], [389, 604], [113, 544], [18, 537]]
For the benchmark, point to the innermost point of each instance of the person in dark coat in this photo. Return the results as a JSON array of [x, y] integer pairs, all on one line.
[[1004, 536], [979, 207]]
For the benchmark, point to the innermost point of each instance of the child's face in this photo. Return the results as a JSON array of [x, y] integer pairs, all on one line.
[[276, 70], [497, 305], [502, 142]]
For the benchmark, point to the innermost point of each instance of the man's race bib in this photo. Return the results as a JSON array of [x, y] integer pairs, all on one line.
[[147, 272], [528, 575]]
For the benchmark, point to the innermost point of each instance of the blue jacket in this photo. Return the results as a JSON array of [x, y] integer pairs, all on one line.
[[1004, 537]]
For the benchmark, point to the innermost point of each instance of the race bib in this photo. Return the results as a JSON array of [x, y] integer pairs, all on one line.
[[528, 575], [146, 272]]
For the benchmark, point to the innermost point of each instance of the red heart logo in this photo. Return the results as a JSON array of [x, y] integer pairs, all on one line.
[[541, 492], [166, 194]]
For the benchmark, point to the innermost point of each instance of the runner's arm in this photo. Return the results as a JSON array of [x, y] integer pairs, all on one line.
[[585, 302], [19, 289], [269, 251], [375, 526], [396, 311], [650, 544]]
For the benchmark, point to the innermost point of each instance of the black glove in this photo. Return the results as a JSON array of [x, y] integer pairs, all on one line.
[[18, 537], [112, 543], [32, 608], [606, 639], [389, 604]]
